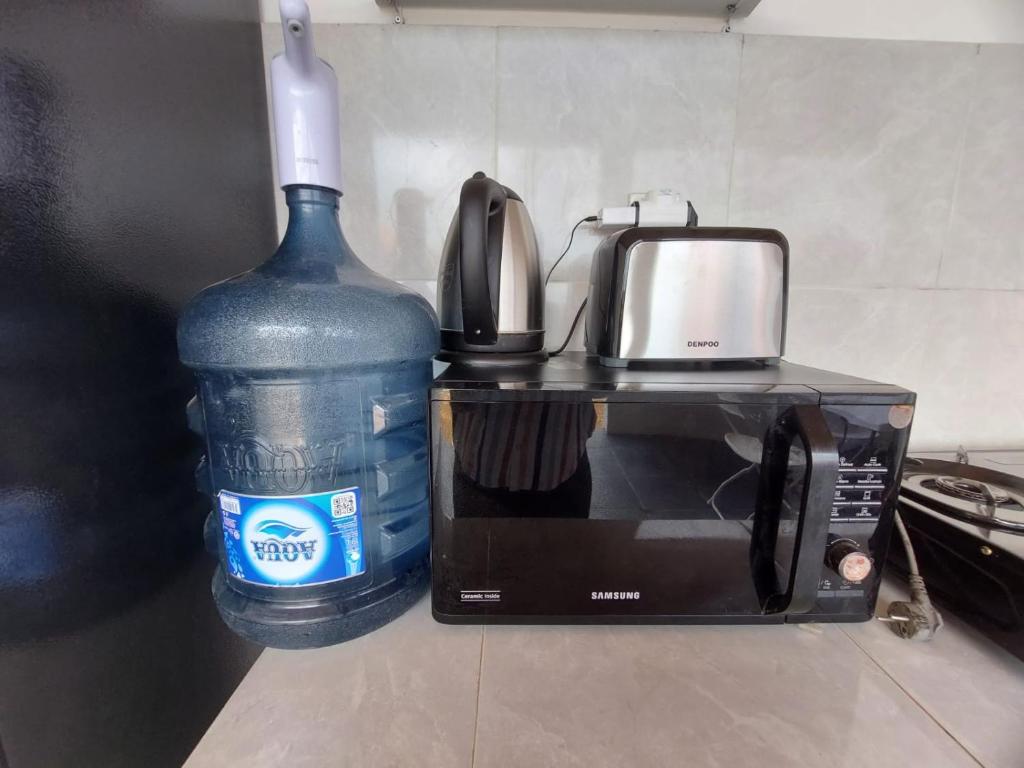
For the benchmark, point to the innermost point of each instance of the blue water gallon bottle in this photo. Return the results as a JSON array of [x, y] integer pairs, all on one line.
[[312, 375]]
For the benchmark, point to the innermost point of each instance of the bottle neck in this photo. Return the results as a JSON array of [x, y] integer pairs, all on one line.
[[311, 210], [313, 232]]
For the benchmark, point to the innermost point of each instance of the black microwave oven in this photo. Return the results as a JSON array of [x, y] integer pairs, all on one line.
[[575, 493]]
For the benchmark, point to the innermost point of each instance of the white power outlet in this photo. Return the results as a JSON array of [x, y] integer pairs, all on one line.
[[656, 208]]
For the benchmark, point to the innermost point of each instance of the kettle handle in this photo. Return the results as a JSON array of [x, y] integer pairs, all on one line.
[[482, 199]]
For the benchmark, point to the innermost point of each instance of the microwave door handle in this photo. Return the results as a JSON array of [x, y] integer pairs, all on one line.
[[807, 423]]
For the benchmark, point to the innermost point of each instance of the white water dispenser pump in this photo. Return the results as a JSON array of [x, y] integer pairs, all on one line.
[[305, 93]]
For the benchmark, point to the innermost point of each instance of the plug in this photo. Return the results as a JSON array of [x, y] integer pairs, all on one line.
[[912, 621], [915, 619]]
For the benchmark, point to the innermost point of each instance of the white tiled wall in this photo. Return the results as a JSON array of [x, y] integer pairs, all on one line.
[[849, 148], [896, 170]]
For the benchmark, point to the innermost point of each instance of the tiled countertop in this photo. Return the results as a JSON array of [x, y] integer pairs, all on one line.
[[417, 693]]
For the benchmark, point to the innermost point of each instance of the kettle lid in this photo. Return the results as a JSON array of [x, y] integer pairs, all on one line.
[[512, 195]]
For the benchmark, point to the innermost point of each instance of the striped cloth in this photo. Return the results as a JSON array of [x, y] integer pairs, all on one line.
[[521, 446]]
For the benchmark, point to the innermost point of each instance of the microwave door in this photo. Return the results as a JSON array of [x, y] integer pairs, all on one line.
[[559, 507]]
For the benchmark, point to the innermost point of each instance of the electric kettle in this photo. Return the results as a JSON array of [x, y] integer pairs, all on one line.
[[490, 297]]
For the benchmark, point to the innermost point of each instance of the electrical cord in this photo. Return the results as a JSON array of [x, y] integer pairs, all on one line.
[[914, 619], [572, 330], [713, 501], [571, 236], [579, 312]]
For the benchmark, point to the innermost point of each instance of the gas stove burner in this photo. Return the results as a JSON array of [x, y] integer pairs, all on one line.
[[974, 490], [968, 499]]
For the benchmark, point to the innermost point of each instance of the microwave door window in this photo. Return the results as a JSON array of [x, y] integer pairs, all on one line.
[[659, 494], [522, 459]]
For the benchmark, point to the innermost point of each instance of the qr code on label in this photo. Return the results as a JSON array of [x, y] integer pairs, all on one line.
[[343, 504]]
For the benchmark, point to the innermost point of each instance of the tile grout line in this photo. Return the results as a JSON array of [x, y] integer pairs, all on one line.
[[929, 288], [497, 104], [910, 696], [479, 685], [735, 130], [975, 75], [814, 287]]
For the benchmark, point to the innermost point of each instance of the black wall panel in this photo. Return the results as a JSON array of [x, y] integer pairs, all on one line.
[[134, 170]]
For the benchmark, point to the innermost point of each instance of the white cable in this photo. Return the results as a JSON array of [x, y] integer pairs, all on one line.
[[721, 488], [918, 590]]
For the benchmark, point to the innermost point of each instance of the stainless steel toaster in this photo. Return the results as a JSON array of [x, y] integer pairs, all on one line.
[[688, 294]]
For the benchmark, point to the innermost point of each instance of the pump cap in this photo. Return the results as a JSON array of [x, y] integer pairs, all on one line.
[[305, 93]]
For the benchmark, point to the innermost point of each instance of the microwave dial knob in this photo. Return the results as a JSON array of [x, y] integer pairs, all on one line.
[[845, 558]]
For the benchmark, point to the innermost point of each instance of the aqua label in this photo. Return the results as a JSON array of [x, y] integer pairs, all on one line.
[[293, 541]]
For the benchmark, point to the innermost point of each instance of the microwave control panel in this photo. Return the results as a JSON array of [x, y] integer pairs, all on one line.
[[863, 504], [852, 562], [860, 489]]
